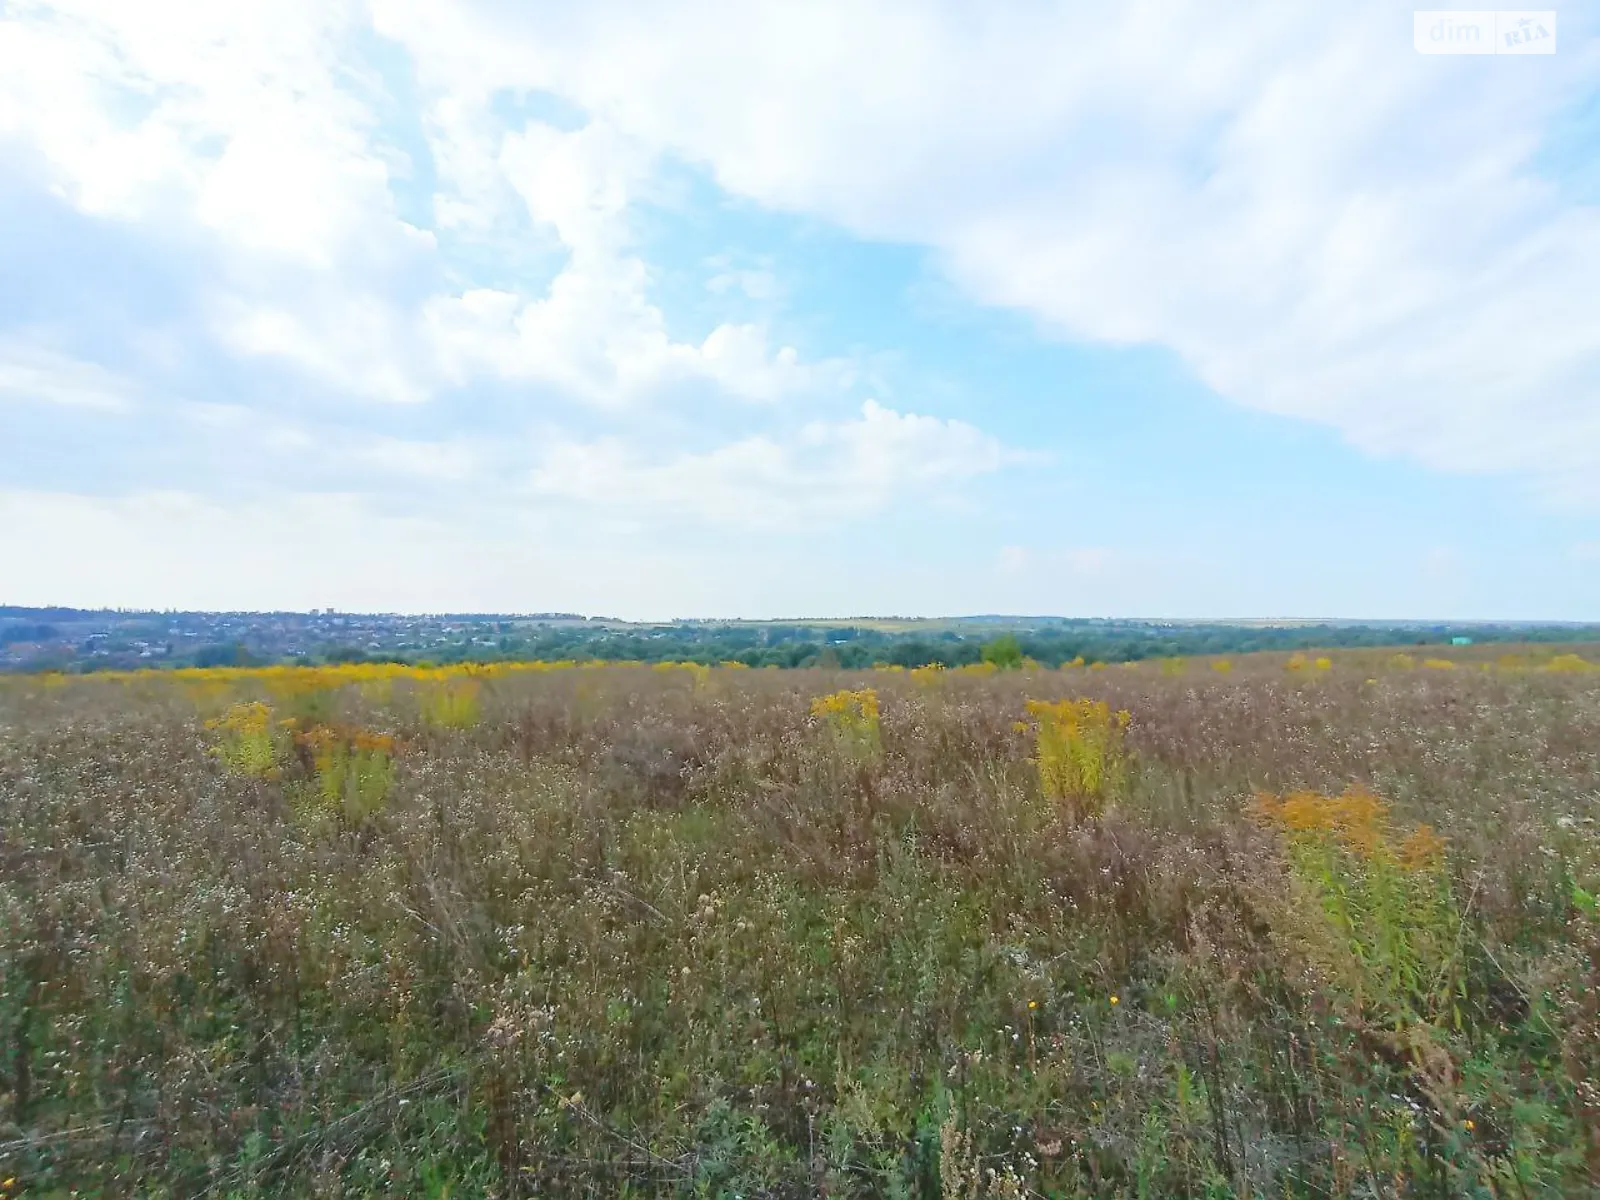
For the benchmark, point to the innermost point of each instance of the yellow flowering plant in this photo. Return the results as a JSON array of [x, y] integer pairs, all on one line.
[[852, 717], [353, 772], [451, 703], [1570, 663], [1383, 894], [247, 740], [1078, 752]]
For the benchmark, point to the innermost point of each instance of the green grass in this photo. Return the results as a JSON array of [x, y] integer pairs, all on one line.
[[630, 932]]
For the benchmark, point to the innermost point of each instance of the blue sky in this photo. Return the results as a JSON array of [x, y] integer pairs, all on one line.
[[717, 309]]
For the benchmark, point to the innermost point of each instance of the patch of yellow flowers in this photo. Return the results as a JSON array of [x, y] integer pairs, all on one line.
[[1384, 923], [853, 718], [1357, 820], [1570, 663], [1079, 752], [451, 703], [248, 742], [354, 771], [1299, 662]]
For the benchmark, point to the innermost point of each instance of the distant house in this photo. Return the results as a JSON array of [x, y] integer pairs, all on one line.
[[1461, 641]]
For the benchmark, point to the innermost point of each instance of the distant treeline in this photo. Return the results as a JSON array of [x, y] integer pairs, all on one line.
[[12, 632], [959, 642], [791, 646]]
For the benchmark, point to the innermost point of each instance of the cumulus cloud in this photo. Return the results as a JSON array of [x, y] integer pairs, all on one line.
[[595, 336], [595, 332], [831, 470], [230, 114], [436, 205], [1321, 222], [249, 130]]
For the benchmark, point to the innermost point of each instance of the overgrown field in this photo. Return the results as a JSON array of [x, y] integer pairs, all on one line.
[[1323, 927]]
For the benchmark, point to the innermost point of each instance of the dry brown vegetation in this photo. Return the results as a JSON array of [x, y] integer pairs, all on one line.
[[640, 931]]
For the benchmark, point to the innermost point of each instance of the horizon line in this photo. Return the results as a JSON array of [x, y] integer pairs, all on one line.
[[552, 614]]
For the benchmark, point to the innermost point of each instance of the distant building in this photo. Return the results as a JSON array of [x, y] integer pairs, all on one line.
[[1461, 641]]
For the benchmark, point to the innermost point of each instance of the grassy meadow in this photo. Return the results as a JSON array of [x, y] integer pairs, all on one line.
[[1275, 927]]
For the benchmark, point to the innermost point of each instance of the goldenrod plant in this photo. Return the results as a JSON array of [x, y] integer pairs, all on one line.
[[451, 703], [1384, 893], [247, 739], [1573, 664], [353, 769], [1078, 752], [852, 719]]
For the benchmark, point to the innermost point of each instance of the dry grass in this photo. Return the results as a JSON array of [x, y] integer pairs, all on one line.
[[639, 931]]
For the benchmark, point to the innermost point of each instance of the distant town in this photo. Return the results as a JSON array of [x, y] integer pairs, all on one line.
[[81, 640], [33, 639]]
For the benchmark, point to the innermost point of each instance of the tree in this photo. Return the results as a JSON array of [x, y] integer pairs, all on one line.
[[1004, 652]]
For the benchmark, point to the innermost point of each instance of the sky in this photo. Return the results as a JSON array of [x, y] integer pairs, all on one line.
[[726, 308]]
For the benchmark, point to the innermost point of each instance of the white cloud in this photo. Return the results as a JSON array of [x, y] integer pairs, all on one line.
[[595, 336], [1321, 222], [595, 333], [471, 193], [247, 131], [351, 339], [234, 135], [36, 373], [229, 113], [578, 181], [830, 472]]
